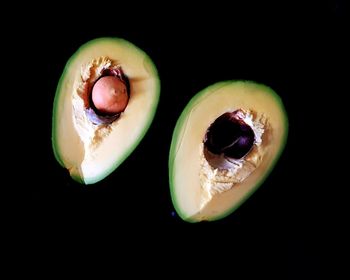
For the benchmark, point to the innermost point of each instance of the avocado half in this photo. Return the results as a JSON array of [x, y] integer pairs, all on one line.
[[186, 158], [92, 148]]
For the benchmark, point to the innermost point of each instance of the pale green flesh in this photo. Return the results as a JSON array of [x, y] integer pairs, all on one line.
[[133, 124], [183, 158]]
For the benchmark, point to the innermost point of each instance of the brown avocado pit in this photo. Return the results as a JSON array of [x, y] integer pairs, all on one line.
[[103, 117]]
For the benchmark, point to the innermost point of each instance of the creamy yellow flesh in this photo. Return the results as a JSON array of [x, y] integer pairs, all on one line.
[[90, 166], [229, 97]]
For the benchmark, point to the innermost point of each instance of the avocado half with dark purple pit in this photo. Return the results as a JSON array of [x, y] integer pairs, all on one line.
[[225, 143], [90, 142]]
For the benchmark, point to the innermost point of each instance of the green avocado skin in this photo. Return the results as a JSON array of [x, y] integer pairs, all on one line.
[[178, 127], [57, 102]]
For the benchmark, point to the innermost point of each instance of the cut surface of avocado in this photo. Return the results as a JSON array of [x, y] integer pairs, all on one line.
[[89, 144], [209, 185]]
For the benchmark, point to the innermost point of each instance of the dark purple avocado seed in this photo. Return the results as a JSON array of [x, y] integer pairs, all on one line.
[[229, 135]]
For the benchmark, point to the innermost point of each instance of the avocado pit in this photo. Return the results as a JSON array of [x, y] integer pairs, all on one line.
[[228, 137], [108, 97]]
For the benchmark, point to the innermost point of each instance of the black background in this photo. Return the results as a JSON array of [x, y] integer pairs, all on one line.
[[280, 231]]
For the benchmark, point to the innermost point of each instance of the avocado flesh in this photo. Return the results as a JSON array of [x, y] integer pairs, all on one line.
[[185, 161], [90, 166]]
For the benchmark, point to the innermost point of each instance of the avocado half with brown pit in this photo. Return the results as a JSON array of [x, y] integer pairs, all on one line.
[[105, 102], [225, 143]]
